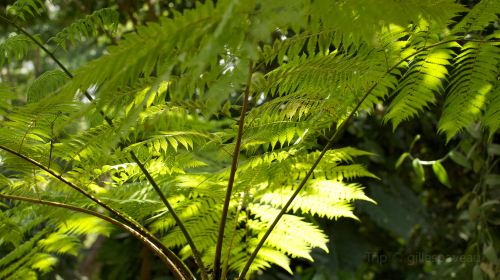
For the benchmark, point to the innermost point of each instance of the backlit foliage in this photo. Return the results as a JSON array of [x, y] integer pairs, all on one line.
[[171, 89]]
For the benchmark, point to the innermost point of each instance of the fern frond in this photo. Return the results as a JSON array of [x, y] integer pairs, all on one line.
[[473, 79], [46, 84], [419, 84], [16, 46], [358, 22], [105, 19], [60, 244], [482, 14], [30, 127], [325, 198], [43, 262], [299, 105], [20, 255], [160, 142], [289, 230], [272, 133], [145, 51], [491, 118], [79, 224], [8, 94], [23, 9]]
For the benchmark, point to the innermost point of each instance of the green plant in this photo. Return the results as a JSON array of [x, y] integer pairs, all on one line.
[[209, 134]]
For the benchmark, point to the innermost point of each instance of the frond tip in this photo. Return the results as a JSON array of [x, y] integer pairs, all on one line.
[[25, 8], [16, 46], [105, 19]]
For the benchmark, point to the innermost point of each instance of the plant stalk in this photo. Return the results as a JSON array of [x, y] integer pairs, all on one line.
[[196, 253], [232, 175], [180, 266], [153, 247], [323, 152]]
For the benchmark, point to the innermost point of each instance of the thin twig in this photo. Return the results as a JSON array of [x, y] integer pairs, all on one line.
[[49, 53], [153, 247], [232, 174], [196, 253], [180, 268], [326, 148], [225, 266]]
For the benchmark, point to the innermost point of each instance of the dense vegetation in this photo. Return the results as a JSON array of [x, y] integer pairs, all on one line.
[[247, 139]]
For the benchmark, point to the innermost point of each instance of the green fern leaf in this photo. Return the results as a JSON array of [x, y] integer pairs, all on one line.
[[290, 230], [46, 84], [105, 19], [23, 9], [16, 46], [491, 117], [482, 14], [475, 74], [419, 85]]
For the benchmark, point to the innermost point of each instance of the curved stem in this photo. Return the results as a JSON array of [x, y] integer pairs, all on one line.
[[232, 174], [301, 185], [49, 53], [327, 147], [153, 247], [180, 268], [196, 253]]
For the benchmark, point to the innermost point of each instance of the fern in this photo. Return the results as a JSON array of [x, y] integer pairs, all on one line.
[[16, 46], [105, 19], [162, 112], [420, 84], [481, 15], [492, 113], [47, 83], [23, 9], [474, 76]]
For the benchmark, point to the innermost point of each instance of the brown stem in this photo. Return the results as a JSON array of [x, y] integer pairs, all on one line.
[[49, 53], [323, 152], [196, 254], [150, 245], [180, 268], [225, 266], [232, 174]]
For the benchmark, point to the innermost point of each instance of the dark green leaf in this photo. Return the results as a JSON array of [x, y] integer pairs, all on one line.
[[419, 170], [401, 158], [441, 173], [460, 159]]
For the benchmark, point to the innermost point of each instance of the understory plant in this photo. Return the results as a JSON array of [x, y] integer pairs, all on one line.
[[209, 134]]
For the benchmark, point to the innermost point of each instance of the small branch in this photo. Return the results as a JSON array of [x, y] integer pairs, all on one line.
[[196, 254], [302, 184], [225, 266], [181, 270], [323, 152], [232, 174], [49, 53], [158, 251]]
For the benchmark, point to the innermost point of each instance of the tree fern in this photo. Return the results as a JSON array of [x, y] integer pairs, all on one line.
[[474, 76], [24, 9], [47, 83], [420, 84], [224, 110], [15, 46], [105, 19], [481, 15], [492, 113]]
